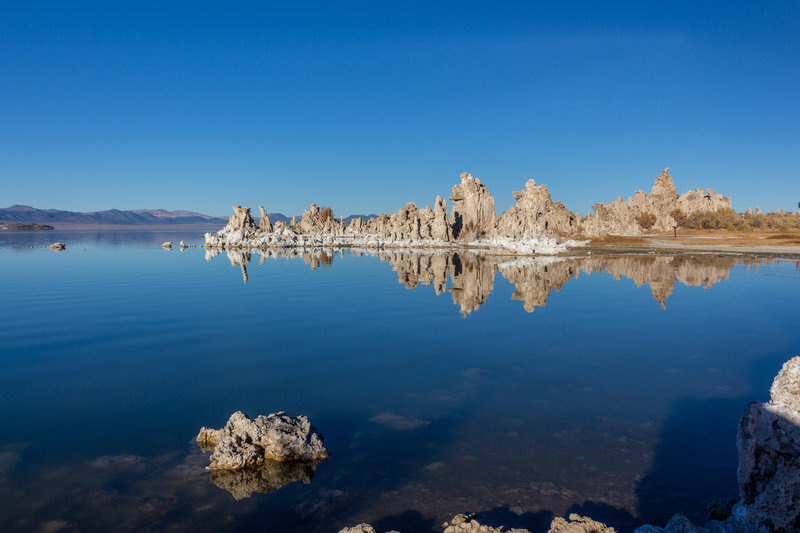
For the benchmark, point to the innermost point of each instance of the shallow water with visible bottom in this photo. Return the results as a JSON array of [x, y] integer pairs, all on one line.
[[442, 382]]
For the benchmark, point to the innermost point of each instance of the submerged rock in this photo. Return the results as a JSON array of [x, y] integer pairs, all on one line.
[[579, 524], [468, 523], [267, 476], [464, 523], [363, 528], [248, 443]]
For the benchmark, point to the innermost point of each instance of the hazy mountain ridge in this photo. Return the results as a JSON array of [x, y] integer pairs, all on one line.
[[136, 217], [28, 214]]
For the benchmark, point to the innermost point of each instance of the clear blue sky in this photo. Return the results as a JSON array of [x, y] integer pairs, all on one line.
[[365, 106]]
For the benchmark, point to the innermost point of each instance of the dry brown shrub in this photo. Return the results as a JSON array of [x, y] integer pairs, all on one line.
[[646, 220]]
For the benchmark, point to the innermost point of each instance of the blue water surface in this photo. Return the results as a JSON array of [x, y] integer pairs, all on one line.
[[617, 396]]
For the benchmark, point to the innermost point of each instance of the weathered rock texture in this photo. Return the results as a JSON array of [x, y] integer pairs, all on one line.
[[473, 209], [631, 216], [469, 523], [362, 528], [250, 443], [768, 440], [536, 224], [263, 224], [536, 214], [579, 524], [769, 456]]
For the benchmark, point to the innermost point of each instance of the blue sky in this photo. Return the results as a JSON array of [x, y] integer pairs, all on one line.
[[366, 106]]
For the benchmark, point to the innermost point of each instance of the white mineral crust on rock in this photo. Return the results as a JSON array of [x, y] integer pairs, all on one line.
[[535, 224], [248, 443]]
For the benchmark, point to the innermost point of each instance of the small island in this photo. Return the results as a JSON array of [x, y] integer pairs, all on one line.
[[22, 226]]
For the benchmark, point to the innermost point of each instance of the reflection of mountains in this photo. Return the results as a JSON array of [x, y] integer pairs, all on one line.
[[472, 274]]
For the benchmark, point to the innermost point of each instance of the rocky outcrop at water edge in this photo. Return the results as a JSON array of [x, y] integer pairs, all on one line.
[[469, 523], [768, 440], [243, 442], [534, 225]]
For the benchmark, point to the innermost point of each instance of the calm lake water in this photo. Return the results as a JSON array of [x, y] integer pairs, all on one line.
[[442, 383]]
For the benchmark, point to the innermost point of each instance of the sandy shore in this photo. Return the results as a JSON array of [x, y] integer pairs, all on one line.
[[679, 246]]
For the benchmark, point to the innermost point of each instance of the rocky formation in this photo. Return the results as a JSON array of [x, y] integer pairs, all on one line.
[[440, 226], [59, 246], [263, 224], [769, 456], [250, 443], [473, 213], [768, 440], [652, 211], [579, 524], [241, 219], [702, 200], [534, 225], [536, 214], [363, 528], [468, 523]]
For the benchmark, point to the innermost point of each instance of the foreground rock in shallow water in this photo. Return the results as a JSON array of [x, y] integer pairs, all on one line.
[[579, 524], [245, 443], [59, 246], [768, 440], [769, 456], [468, 523]]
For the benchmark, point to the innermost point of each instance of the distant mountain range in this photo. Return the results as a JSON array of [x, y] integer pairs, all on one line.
[[115, 217]]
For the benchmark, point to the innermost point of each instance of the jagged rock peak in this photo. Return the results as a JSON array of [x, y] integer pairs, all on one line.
[[241, 219], [264, 224], [473, 209], [535, 214], [664, 186]]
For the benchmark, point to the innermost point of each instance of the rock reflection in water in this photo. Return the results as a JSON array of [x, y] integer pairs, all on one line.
[[271, 475], [472, 274]]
